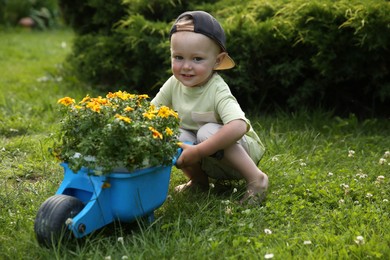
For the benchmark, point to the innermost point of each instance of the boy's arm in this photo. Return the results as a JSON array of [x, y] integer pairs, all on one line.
[[225, 137]]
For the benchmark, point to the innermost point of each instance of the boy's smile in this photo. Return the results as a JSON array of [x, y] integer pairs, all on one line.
[[194, 57]]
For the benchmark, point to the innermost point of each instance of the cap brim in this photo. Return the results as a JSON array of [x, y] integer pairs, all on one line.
[[227, 63]]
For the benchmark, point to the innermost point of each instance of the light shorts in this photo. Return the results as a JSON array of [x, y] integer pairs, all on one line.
[[213, 167]]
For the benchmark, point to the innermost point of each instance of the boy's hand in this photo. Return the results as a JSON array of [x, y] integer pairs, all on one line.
[[189, 156]]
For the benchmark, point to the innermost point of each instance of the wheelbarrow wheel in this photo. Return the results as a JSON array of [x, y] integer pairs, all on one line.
[[50, 223]]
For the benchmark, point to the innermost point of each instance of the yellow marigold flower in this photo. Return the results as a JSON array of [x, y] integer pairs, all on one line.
[[102, 101], [168, 131], [148, 115], [156, 134], [145, 96], [174, 113], [78, 107], [123, 118], [66, 101], [85, 99], [123, 95], [129, 109], [164, 112], [110, 95], [94, 106]]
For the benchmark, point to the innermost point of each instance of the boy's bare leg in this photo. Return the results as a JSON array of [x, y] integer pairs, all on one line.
[[197, 178], [256, 180]]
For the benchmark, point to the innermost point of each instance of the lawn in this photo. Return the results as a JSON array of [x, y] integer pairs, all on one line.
[[329, 179]]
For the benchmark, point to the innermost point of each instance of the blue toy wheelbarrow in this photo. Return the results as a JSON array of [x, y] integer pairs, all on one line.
[[85, 202]]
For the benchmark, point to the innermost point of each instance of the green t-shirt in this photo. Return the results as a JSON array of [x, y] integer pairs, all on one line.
[[211, 103]]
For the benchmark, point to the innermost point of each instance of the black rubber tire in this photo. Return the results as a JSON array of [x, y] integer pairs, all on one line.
[[49, 225]]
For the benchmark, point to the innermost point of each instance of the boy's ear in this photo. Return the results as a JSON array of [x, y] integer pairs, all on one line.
[[219, 59]]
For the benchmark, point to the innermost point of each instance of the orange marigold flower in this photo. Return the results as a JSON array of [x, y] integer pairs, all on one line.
[[145, 96], [66, 101], [156, 134], [110, 95]]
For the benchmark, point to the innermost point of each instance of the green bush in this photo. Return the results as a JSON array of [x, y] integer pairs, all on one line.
[[113, 50], [44, 12], [313, 53], [325, 53], [92, 16]]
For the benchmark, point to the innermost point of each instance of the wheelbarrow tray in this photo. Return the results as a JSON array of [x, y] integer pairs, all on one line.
[[122, 196]]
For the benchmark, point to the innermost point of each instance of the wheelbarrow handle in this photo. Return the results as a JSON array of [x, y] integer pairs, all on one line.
[[178, 153]]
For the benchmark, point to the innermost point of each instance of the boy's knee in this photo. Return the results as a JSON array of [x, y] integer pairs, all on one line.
[[206, 131]]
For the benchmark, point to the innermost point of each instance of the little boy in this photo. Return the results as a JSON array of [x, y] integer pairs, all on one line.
[[225, 145]]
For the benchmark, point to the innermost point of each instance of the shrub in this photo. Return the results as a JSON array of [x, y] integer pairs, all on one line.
[[92, 16], [325, 53], [313, 53], [44, 12]]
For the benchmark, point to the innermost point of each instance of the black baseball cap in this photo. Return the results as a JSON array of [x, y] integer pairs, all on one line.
[[204, 23]]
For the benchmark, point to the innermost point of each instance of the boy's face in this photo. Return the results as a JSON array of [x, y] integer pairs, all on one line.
[[194, 56]]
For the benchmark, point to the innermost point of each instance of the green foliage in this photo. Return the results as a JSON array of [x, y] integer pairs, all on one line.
[[313, 53], [119, 130], [322, 53], [44, 12], [92, 16], [325, 185]]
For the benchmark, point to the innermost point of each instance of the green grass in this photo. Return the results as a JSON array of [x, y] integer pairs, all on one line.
[[320, 198]]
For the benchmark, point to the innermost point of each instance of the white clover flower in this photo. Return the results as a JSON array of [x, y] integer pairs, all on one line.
[[234, 190], [125, 257], [212, 185], [341, 201], [225, 202], [380, 178], [120, 240], [387, 154], [307, 242], [268, 256], [385, 200], [69, 221], [268, 231], [369, 195], [351, 153], [361, 175], [382, 161], [356, 202], [63, 45], [274, 159], [330, 173], [302, 164], [359, 240], [228, 211], [107, 258], [344, 186]]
